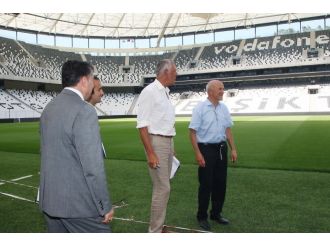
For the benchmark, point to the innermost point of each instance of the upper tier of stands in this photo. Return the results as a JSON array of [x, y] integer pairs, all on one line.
[[51, 59], [144, 65], [32, 61], [183, 58], [108, 68], [18, 61]]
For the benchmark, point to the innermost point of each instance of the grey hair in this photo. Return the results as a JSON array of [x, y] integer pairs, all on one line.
[[207, 87], [211, 83], [163, 65]]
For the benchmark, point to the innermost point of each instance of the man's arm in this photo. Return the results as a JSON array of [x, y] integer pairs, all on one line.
[[153, 160], [89, 149], [230, 140], [198, 155]]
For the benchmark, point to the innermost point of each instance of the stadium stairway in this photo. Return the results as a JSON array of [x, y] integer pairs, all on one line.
[[199, 53], [132, 107], [31, 58]]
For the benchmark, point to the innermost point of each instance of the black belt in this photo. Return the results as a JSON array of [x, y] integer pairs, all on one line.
[[162, 135], [212, 144]]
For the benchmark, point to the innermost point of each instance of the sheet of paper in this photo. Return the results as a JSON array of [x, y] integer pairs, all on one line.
[[175, 166]]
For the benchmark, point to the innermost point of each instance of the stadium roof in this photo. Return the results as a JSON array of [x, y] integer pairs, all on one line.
[[140, 24]]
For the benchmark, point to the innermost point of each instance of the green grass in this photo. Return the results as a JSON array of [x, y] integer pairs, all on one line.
[[280, 183]]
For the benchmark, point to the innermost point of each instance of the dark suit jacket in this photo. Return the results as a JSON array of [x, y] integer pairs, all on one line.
[[72, 177]]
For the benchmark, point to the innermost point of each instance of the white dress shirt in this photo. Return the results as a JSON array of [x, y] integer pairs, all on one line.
[[155, 110], [76, 91]]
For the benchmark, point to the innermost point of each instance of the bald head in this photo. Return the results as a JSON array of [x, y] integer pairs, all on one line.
[[212, 84], [215, 90]]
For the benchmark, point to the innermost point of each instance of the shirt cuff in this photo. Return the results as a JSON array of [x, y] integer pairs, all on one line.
[[193, 127], [142, 124]]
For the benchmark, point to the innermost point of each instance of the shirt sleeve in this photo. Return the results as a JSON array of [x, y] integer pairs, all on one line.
[[196, 118], [144, 109], [229, 121]]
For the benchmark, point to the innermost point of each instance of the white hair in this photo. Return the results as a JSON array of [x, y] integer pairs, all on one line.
[[163, 65]]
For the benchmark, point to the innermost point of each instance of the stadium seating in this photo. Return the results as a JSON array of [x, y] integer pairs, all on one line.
[[213, 58], [28, 104], [19, 62], [52, 59], [144, 65], [3, 71], [116, 103], [108, 68], [183, 58], [10, 107], [35, 99], [36, 62], [280, 99]]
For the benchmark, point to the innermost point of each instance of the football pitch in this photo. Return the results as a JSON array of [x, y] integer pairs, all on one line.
[[280, 183]]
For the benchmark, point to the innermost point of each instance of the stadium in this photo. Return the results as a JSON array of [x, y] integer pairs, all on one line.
[[276, 73]]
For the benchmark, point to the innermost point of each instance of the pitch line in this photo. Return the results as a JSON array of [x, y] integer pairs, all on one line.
[[116, 218], [16, 197], [175, 227], [10, 182], [20, 178]]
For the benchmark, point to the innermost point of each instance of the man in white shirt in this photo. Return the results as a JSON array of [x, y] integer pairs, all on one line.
[[155, 121]]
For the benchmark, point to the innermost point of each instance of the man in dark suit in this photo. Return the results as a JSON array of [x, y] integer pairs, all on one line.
[[73, 187]]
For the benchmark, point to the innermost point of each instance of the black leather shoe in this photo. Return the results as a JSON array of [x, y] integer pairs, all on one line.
[[204, 224], [220, 220]]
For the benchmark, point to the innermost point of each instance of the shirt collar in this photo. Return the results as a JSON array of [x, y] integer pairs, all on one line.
[[76, 91], [209, 103], [160, 86]]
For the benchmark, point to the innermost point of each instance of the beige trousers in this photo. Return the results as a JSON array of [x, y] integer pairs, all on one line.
[[164, 149]]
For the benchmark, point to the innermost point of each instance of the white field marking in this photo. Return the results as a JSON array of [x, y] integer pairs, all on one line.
[[16, 179], [187, 229], [10, 182], [131, 219], [175, 227], [116, 218], [122, 204], [16, 197]]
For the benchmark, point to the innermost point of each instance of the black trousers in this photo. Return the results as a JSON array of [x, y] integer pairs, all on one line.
[[212, 179]]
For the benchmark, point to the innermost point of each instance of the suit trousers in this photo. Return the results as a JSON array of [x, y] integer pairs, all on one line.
[[76, 225], [212, 179], [164, 148]]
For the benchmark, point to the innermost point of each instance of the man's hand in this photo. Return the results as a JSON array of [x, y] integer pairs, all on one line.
[[108, 217], [200, 159], [233, 156], [153, 160]]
